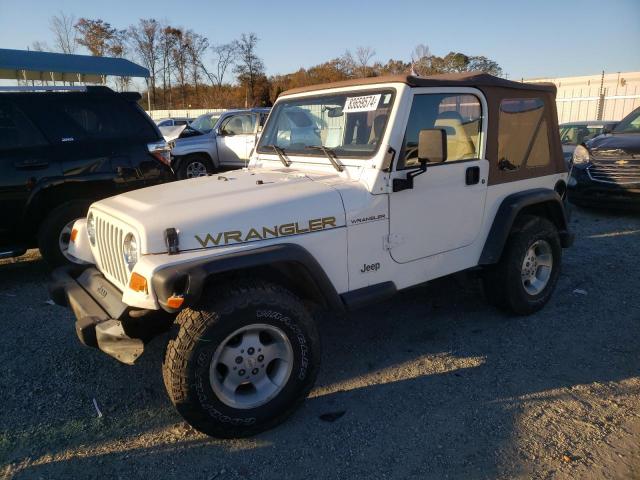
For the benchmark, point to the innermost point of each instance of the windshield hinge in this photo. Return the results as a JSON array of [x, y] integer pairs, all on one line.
[[392, 240]]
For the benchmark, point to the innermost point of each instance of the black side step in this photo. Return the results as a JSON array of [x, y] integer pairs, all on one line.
[[12, 252], [368, 295]]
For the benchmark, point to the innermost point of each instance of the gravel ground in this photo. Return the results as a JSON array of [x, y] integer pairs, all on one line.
[[432, 384]]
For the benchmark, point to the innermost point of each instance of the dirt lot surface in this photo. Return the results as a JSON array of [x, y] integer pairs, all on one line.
[[432, 384]]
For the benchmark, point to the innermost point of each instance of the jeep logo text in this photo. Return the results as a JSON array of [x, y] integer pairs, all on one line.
[[374, 267]]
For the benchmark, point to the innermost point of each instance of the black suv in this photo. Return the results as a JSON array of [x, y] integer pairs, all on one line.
[[62, 150], [606, 169]]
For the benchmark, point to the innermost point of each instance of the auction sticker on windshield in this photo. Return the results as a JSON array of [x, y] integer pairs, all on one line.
[[366, 103]]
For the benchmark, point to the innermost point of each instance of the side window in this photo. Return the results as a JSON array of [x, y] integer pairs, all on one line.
[[569, 135], [523, 136], [460, 116], [87, 118], [239, 124], [16, 130]]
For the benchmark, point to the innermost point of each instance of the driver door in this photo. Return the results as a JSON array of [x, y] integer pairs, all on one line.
[[236, 138], [444, 209]]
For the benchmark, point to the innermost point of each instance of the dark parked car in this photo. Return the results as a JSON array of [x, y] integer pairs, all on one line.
[[606, 169], [62, 150], [573, 134]]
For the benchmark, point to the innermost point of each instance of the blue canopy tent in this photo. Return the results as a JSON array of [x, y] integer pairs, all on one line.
[[59, 67]]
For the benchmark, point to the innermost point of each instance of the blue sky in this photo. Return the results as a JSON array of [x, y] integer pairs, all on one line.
[[527, 38]]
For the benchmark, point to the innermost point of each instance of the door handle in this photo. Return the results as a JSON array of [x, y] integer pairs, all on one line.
[[31, 164], [472, 175]]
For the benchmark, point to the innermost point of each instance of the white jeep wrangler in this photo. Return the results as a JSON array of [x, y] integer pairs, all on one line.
[[356, 190]]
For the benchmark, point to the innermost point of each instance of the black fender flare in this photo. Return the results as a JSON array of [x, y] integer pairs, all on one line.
[[189, 278], [508, 211], [51, 192]]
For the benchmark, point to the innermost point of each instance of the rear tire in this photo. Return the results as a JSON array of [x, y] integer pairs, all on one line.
[[242, 361], [55, 232], [525, 277], [194, 166]]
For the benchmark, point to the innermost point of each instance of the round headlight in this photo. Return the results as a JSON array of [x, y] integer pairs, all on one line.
[[130, 250], [580, 155], [91, 228]]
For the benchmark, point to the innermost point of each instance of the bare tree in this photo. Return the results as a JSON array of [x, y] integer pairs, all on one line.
[[250, 67], [421, 59], [64, 33], [117, 47], [224, 57], [144, 39], [363, 57], [95, 35], [168, 39], [196, 48], [39, 46], [179, 56]]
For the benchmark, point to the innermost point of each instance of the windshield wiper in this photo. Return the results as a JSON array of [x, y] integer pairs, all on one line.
[[280, 152], [330, 154]]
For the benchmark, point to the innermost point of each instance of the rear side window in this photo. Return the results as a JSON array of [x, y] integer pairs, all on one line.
[[16, 130], [91, 117], [523, 136]]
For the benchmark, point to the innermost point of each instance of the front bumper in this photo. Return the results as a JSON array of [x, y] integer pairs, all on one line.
[[583, 190], [99, 311]]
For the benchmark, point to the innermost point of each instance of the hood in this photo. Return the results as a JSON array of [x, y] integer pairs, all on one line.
[[616, 145], [234, 207], [190, 138], [171, 133]]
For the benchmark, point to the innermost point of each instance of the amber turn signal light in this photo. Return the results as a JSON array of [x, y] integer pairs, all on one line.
[[175, 301], [74, 234], [138, 283]]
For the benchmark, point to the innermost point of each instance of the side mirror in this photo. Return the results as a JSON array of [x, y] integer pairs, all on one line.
[[335, 112], [432, 146]]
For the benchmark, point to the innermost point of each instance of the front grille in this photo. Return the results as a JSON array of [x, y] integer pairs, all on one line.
[[620, 171], [109, 238]]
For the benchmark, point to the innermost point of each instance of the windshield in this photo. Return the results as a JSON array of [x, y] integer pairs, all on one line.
[[350, 124], [205, 123], [629, 124]]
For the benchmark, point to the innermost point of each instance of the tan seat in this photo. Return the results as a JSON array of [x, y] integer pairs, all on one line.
[[459, 144]]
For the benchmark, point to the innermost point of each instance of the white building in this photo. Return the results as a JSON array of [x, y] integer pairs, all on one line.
[[605, 96]]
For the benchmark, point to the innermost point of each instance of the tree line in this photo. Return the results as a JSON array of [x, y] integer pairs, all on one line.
[[187, 71]]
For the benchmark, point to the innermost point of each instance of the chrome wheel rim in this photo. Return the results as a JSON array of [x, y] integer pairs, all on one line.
[[63, 242], [196, 169], [536, 267], [251, 366]]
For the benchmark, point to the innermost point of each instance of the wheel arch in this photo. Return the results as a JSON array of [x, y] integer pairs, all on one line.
[[179, 159], [286, 264], [540, 202], [47, 197]]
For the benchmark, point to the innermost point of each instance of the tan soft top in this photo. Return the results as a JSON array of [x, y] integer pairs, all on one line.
[[466, 79]]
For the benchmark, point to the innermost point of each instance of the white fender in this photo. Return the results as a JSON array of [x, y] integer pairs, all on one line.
[[80, 246]]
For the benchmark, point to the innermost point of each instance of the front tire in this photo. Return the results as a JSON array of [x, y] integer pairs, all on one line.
[[194, 166], [243, 361], [55, 233], [525, 277]]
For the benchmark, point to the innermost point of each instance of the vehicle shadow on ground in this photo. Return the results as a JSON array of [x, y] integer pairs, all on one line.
[[428, 384]]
